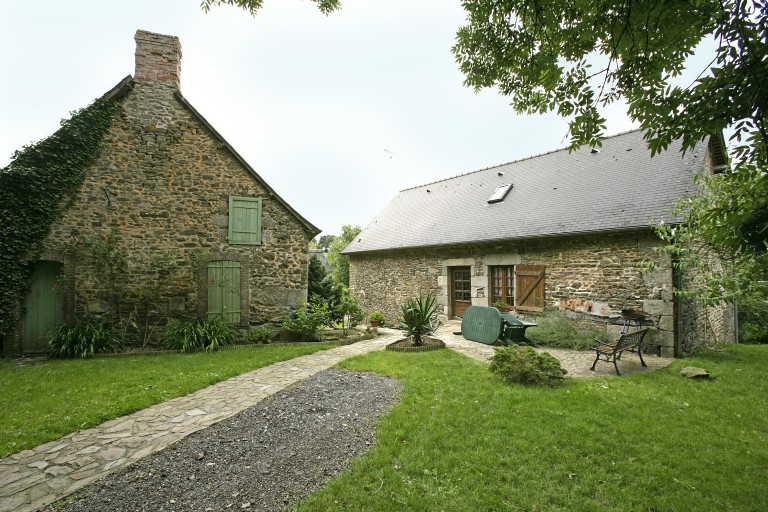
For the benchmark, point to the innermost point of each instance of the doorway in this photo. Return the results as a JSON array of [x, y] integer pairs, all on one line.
[[44, 306], [461, 290]]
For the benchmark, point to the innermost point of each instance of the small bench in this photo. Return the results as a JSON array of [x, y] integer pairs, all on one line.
[[612, 351]]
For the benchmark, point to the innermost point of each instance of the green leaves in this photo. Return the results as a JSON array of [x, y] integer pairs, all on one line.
[[83, 339], [307, 320], [417, 317], [526, 366], [340, 262], [35, 187], [208, 335], [537, 51], [252, 6]]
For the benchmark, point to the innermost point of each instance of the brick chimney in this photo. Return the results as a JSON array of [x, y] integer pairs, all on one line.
[[158, 58]]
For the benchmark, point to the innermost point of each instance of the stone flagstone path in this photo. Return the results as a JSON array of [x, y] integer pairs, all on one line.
[[32, 479]]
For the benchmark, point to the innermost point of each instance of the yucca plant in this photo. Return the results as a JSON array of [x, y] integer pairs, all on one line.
[[82, 339], [208, 335], [417, 317]]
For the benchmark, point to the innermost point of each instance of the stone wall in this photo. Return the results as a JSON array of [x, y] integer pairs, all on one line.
[[162, 183], [704, 325], [591, 276]]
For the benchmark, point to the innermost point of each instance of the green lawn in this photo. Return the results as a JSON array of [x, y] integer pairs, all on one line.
[[46, 401], [461, 440]]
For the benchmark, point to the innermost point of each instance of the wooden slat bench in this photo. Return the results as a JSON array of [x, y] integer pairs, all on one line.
[[612, 351]]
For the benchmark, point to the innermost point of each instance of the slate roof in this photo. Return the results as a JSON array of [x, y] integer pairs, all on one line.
[[320, 255], [619, 188]]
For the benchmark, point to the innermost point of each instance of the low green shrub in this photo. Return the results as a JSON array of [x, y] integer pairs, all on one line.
[[417, 317], [377, 316], [208, 335], [557, 330], [351, 312], [307, 321], [82, 339], [526, 366], [259, 335]]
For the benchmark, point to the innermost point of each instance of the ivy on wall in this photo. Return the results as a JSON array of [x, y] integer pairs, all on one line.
[[41, 181]]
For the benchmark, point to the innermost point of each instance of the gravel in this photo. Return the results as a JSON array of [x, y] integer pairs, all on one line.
[[268, 457]]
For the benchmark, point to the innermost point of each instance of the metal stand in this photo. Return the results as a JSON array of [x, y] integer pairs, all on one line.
[[631, 317]]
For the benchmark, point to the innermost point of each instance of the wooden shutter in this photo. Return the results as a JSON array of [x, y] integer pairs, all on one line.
[[244, 220], [224, 290], [529, 287]]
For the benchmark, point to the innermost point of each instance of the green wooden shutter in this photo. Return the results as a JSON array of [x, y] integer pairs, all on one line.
[[244, 220], [224, 290]]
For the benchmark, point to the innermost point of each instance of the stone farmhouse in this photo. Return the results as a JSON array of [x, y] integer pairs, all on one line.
[[167, 183], [565, 230]]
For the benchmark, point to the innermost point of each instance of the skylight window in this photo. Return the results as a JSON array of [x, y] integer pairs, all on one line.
[[500, 193]]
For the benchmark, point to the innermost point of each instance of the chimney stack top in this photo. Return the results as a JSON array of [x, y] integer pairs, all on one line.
[[158, 58]]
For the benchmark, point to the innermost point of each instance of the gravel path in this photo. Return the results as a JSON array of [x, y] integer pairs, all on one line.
[[267, 457]]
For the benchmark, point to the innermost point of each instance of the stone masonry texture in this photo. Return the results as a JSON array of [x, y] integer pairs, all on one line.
[[162, 183], [585, 276]]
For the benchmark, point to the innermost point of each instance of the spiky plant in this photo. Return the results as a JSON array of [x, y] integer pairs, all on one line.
[[417, 317]]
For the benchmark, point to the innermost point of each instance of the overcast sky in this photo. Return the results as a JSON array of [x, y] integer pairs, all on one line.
[[336, 113]]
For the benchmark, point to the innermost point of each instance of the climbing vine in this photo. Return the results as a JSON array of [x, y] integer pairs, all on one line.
[[41, 181]]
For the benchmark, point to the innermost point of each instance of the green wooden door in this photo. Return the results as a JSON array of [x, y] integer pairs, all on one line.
[[44, 306], [224, 290]]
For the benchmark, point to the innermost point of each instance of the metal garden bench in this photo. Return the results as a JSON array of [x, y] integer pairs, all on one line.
[[610, 352]]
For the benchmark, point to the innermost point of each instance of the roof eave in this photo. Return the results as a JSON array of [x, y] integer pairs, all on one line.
[[626, 229], [311, 228], [121, 89]]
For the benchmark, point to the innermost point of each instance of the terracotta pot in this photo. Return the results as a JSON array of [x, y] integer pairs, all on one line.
[[374, 323]]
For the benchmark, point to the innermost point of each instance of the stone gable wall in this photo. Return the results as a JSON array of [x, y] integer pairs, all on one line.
[[163, 183]]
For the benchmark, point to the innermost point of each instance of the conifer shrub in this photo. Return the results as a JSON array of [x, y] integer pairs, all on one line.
[[526, 366]]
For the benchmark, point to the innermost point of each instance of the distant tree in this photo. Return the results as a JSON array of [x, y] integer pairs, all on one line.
[[325, 241], [315, 278], [340, 262]]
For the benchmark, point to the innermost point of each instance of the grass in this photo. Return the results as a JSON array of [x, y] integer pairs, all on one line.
[[462, 440], [46, 401]]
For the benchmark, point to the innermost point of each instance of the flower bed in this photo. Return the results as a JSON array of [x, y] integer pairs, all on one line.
[[408, 345]]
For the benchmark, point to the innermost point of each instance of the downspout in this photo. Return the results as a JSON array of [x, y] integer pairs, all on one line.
[[677, 279]]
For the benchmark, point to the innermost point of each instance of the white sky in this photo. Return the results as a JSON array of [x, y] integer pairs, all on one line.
[[311, 102]]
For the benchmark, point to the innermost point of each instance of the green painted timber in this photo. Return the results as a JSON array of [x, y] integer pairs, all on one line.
[[514, 331], [224, 290], [44, 306], [481, 324]]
